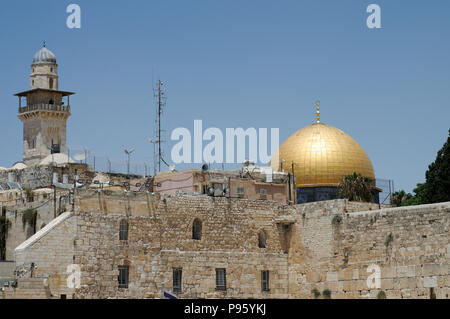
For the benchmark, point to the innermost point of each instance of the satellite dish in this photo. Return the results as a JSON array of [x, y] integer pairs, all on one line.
[[205, 167], [172, 168], [80, 157], [210, 191]]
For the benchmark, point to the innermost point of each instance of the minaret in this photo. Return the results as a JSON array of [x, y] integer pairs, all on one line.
[[44, 114]]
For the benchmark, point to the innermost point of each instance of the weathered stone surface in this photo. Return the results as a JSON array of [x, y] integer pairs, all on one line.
[[313, 252]]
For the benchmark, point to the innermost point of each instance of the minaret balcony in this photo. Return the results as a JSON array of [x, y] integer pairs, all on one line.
[[44, 107]]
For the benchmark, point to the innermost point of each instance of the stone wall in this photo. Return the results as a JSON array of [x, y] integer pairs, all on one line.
[[50, 251], [160, 239], [410, 245], [321, 245], [18, 232], [42, 176], [6, 271]]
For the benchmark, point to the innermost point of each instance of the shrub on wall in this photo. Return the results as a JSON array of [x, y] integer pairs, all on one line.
[[355, 187], [316, 293], [30, 217], [326, 293], [5, 223], [381, 295]]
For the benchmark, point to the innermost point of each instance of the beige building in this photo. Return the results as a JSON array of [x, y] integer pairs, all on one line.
[[250, 182]]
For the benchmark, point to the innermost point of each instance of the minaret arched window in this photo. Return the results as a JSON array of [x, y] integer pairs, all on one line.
[[50, 83], [197, 229], [262, 239], [123, 230]]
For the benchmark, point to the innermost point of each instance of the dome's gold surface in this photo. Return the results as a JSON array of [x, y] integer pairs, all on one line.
[[322, 155]]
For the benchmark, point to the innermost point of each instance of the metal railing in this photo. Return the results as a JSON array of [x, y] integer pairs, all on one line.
[[44, 107]]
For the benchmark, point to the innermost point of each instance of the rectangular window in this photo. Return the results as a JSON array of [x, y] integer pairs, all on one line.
[[177, 275], [221, 279], [123, 276], [123, 230], [265, 280], [240, 190]]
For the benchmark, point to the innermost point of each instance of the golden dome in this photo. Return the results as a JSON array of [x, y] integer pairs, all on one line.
[[322, 155]]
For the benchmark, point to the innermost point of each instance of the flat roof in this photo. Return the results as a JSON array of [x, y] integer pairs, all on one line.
[[24, 93]]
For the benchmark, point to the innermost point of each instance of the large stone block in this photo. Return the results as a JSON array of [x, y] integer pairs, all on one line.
[[429, 282]]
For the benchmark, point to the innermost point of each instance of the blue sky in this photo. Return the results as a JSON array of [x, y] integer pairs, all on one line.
[[239, 64]]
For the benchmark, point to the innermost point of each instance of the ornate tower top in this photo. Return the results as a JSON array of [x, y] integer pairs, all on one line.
[[44, 56], [45, 113]]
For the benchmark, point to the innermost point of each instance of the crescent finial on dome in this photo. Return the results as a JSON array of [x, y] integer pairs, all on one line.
[[318, 111]]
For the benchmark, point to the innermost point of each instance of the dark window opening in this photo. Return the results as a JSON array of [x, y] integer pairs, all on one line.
[[123, 276], [177, 275], [197, 230], [262, 239], [55, 149], [221, 279], [265, 280], [123, 230], [51, 85], [63, 296]]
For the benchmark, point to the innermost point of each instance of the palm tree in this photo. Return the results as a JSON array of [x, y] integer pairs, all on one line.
[[399, 198], [355, 187]]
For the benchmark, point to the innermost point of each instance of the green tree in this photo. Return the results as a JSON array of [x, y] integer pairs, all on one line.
[[355, 187], [437, 185], [436, 188], [399, 198]]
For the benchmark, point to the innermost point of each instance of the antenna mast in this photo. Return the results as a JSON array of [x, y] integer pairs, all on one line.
[[160, 96]]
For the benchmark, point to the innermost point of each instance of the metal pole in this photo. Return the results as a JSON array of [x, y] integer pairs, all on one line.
[[74, 187], [159, 125], [128, 166], [54, 201]]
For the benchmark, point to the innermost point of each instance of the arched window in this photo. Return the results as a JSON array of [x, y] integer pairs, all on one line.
[[197, 229], [123, 230], [51, 83], [262, 239]]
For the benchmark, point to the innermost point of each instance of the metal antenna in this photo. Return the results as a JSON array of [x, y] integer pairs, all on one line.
[[160, 100], [154, 142]]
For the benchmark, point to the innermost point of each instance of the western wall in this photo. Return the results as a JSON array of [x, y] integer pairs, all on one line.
[[329, 245]]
